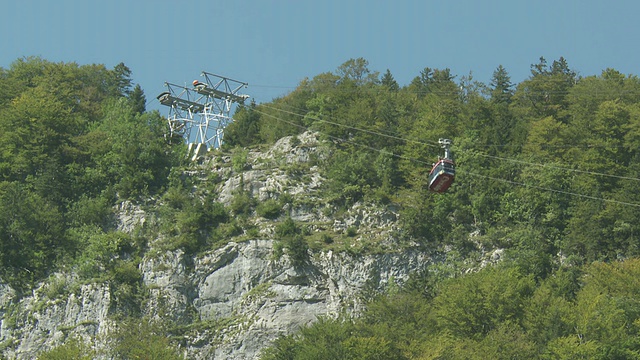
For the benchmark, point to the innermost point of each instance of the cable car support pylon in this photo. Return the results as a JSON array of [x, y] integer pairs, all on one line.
[[200, 113]]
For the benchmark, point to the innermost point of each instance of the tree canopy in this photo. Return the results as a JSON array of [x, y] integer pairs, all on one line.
[[75, 140], [547, 173]]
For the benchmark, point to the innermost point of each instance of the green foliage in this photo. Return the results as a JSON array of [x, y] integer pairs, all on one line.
[[90, 211], [143, 339], [475, 304], [326, 238], [287, 228], [350, 175], [192, 223], [31, 234], [291, 238], [297, 249], [137, 160], [269, 209], [352, 231], [242, 203], [331, 339], [571, 347], [537, 165], [72, 349], [496, 312], [126, 288], [138, 100], [98, 250], [73, 145], [239, 159], [407, 313], [245, 128], [111, 257]]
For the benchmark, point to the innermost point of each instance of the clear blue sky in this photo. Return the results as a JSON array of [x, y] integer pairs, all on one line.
[[273, 45]]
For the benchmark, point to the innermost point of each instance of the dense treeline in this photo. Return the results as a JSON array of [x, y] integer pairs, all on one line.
[[547, 165], [74, 141], [547, 171]]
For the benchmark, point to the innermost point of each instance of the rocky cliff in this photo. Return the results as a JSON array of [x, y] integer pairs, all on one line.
[[232, 301]]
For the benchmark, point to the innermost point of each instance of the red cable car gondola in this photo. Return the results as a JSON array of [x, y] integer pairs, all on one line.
[[443, 172]]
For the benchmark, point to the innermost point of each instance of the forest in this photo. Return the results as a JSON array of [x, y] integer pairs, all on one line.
[[547, 171]]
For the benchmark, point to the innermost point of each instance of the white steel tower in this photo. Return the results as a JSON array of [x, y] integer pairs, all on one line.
[[200, 114]]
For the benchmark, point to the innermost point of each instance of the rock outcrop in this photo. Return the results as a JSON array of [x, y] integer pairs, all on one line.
[[235, 300], [259, 297]]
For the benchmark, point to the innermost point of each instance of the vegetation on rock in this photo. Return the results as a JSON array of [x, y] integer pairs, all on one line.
[[547, 173]]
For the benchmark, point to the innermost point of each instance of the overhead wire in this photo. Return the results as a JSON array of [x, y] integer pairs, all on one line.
[[395, 137], [337, 138], [392, 135], [150, 102], [555, 190], [424, 162], [558, 167]]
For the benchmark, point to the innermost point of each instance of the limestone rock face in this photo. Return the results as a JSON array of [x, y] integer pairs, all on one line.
[[256, 296], [262, 297], [232, 301], [38, 322]]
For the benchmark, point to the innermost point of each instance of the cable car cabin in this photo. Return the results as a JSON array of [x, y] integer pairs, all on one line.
[[442, 175]]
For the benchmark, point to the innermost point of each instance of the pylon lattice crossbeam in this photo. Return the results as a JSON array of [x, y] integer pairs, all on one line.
[[200, 114]]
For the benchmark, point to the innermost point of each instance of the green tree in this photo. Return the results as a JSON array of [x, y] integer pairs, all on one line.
[[603, 321], [357, 70], [31, 235], [435, 81], [572, 347], [471, 306], [402, 319], [245, 129], [38, 128], [120, 84], [143, 339], [389, 82], [501, 86], [138, 100], [72, 143], [545, 92], [506, 342], [291, 238], [131, 151], [332, 339], [350, 175], [548, 313]]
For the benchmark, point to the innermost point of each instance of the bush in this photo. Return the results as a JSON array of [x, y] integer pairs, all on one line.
[[287, 228], [293, 241], [127, 287], [327, 239], [269, 209], [216, 213], [190, 220], [285, 198], [352, 231], [137, 339], [90, 211], [297, 249], [239, 159], [242, 203], [99, 250], [73, 349], [126, 272]]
